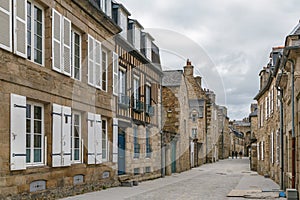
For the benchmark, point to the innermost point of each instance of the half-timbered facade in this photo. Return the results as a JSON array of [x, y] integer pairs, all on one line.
[[138, 105]]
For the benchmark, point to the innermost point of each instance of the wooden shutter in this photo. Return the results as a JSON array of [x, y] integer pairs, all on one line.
[[17, 132], [115, 73], [56, 135], [20, 28], [154, 93], [98, 64], [66, 64], [98, 139], [91, 138], [56, 40], [115, 140], [66, 136], [91, 60], [6, 24]]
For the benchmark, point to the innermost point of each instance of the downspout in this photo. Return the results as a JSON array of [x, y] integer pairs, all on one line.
[[162, 149], [293, 123], [281, 140]]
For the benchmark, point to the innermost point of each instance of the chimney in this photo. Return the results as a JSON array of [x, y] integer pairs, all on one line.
[[188, 69], [198, 80]]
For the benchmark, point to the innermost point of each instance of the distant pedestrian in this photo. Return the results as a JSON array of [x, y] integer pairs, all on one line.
[[236, 153], [241, 154], [232, 154]]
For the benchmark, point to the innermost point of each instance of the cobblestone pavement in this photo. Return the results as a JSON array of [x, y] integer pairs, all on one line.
[[210, 181]]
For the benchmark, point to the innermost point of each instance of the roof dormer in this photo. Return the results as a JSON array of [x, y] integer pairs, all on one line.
[[120, 16], [135, 33], [147, 41], [104, 5]]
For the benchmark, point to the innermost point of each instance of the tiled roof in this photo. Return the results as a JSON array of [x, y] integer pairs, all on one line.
[[172, 78]]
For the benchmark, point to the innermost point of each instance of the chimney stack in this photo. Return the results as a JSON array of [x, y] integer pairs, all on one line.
[[188, 69]]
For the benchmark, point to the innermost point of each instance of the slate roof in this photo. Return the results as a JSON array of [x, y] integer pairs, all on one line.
[[296, 30], [253, 114], [172, 78]]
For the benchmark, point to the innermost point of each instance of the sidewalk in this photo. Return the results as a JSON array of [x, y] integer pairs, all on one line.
[[229, 179]]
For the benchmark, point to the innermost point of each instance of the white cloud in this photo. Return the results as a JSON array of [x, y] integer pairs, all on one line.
[[228, 41]]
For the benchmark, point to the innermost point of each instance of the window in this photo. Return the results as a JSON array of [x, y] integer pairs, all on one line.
[[115, 73], [136, 144], [95, 62], [122, 84], [148, 146], [194, 133], [76, 138], [123, 24], [104, 140], [136, 94], [104, 70], [35, 33], [277, 145], [148, 98], [34, 133], [136, 171], [104, 5], [137, 38], [61, 43], [194, 116], [272, 147], [147, 169], [76, 55]]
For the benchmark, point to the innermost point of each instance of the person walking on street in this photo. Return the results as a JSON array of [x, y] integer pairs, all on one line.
[[232, 154], [236, 153]]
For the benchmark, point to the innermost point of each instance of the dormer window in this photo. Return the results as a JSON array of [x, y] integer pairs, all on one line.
[[123, 23], [104, 5]]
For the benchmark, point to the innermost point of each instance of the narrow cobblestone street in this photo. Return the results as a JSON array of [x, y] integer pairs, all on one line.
[[210, 181]]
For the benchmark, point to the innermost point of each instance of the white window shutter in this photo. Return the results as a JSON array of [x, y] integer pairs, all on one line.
[[66, 136], [98, 139], [272, 147], [115, 73], [6, 25], [56, 135], [20, 28], [115, 140], [98, 64], [91, 60], [91, 138], [56, 41], [17, 132], [66, 64]]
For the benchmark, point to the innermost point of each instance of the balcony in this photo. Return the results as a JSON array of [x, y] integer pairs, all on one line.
[[138, 106], [124, 101], [149, 110]]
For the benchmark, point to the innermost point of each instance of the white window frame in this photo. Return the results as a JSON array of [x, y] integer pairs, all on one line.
[[136, 92], [73, 161], [104, 69], [115, 68], [73, 32], [123, 19], [32, 163], [10, 27], [34, 4], [272, 147], [104, 131], [148, 95], [97, 81], [122, 80]]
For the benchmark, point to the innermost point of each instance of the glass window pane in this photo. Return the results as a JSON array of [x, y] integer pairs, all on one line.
[[77, 143], [28, 140], [76, 154], [27, 155], [76, 131], [37, 141], [37, 155], [37, 112], [28, 111], [37, 126], [28, 126]]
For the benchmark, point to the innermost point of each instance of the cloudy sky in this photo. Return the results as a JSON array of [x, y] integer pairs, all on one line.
[[227, 41]]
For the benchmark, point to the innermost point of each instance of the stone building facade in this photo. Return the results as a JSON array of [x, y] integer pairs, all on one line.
[[175, 122], [197, 119], [278, 114], [253, 119], [57, 101], [224, 132], [139, 99]]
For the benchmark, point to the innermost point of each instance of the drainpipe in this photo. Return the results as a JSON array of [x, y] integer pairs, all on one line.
[[293, 123], [281, 140], [162, 149]]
